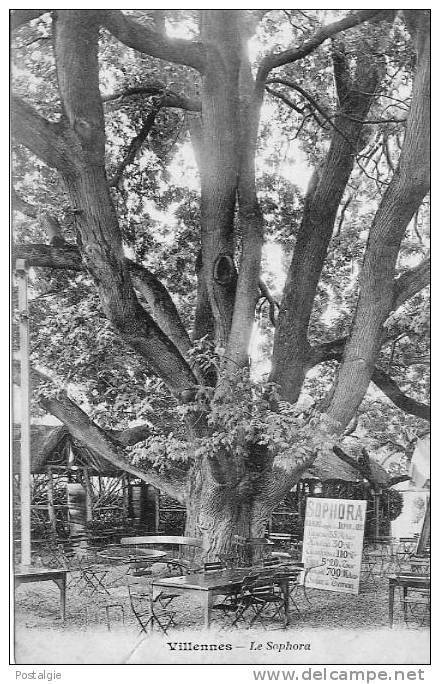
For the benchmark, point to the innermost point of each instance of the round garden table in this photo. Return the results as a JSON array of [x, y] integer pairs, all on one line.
[[126, 554]]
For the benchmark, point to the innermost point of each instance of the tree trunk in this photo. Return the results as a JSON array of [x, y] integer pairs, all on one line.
[[214, 513], [76, 46], [291, 345], [408, 187], [219, 163]]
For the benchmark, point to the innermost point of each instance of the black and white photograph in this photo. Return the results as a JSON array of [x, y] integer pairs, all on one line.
[[220, 340]]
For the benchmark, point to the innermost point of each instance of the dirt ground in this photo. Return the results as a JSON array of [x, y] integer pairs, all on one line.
[[41, 637]]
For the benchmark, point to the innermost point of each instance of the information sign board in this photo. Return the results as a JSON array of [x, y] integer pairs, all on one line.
[[333, 540]]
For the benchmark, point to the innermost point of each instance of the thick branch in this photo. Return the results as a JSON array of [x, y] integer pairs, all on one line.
[[333, 351], [161, 305], [93, 437], [411, 282], [48, 256], [328, 351], [363, 467], [150, 42], [20, 17], [322, 201], [40, 136], [76, 49], [19, 204], [398, 478], [169, 97], [219, 161], [409, 185], [272, 61], [390, 388], [154, 292]]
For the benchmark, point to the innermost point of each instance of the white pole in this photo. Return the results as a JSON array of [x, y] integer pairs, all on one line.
[[25, 442]]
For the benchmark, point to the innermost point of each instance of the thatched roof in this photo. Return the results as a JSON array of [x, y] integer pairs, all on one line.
[[52, 446]]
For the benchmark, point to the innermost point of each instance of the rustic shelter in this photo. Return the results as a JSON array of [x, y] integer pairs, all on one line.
[[73, 488]]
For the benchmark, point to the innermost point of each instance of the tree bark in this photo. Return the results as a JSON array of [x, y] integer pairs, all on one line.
[[76, 41], [408, 187], [291, 346], [214, 513], [219, 163], [249, 214]]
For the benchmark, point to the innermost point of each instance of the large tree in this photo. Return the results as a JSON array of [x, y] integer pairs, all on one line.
[[240, 444]]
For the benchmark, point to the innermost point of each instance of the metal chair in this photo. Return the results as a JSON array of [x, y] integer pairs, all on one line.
[[417, 607], [85, 574], [147, 614], [292, 575], [259, 591], [263, 593], [371, 565], [406, 548]]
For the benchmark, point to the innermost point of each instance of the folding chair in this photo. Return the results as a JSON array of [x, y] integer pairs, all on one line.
[[174, 569], [146, 612], [292, 575], [233, 610], [417, 607], [263, 592], [405, 549], [370, 561], [420, 565], [258, 592], [84, 575]]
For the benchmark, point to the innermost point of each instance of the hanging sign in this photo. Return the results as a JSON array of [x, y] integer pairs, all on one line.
[[333, 540]]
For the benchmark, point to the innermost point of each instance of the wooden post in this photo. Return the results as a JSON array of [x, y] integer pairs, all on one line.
[[89, 495], [376, 496], [125, 486], [50, 501], [25, 442]]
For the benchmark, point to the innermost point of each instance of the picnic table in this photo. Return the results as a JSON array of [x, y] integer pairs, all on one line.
[[209, 584], [24, 574]]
